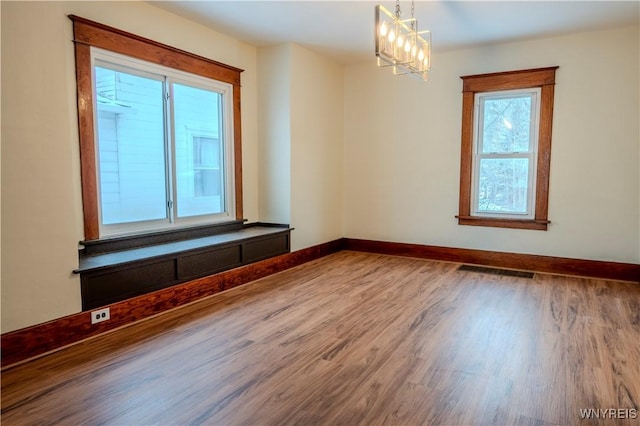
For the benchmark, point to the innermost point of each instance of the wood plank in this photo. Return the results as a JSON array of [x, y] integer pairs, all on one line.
[[466, 154], [86, 140], [543, 169], [105, 37], [508, 80], [237, 151], [354, 338]]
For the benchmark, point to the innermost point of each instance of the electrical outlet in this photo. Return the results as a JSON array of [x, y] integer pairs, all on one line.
[[100, 315]]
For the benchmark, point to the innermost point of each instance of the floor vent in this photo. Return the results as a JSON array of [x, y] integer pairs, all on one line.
[[496, 271]]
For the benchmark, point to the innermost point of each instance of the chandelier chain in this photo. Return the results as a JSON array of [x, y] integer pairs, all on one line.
[[413, 9], [413, 23]]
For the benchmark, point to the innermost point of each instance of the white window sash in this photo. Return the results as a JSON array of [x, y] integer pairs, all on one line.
[[531, 155], [142, 68]]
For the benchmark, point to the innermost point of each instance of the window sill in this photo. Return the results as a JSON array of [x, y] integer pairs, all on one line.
[[123, 257], [127, 270], [118, 243], [535, 224]]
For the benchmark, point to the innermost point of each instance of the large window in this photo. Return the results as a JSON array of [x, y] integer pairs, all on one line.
[[153, 171], [159, 134], [506, 144]]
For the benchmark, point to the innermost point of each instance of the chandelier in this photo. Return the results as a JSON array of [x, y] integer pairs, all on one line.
[[400, 45]]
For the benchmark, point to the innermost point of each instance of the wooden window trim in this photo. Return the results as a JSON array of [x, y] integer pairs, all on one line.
[[544, 78], [89, 33]]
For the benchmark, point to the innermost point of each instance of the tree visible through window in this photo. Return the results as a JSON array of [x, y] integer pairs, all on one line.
[[505, 145], [506, 148]]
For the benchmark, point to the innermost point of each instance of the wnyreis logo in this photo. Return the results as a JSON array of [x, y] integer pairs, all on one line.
[[608, 413]]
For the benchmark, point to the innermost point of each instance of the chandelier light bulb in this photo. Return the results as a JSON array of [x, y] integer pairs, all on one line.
[[400, 40], [421, 55], [392, 36], [383, 29]]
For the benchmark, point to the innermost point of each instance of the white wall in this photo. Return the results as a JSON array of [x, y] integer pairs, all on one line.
[[42, 208], [40, 217], [301, 143], [402, 149], [316, 149], [274, 123]]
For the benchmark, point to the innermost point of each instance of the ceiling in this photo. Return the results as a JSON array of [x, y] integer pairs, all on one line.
[[343, 30]]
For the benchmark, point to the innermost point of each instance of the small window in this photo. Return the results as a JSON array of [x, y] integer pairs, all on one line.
[[506, 149], [505, 152]]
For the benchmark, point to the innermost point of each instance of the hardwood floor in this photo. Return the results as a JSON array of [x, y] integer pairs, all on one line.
[[355, 338]]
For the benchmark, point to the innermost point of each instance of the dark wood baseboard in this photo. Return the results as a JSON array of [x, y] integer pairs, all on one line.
[[40, 339], [526, 262]]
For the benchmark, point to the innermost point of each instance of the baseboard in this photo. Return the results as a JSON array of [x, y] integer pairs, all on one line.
[[527, 262], [30, 342]]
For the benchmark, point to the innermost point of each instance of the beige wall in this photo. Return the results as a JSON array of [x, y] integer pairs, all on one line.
[[40, 217], [42, 210], [402, 149], [274, 124], [301, 143], [316, 149]]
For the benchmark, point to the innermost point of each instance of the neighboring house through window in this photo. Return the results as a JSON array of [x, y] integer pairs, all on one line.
[[207, 179], [159, 134], [506, 149]]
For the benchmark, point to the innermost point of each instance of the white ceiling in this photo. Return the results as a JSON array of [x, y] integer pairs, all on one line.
[[343, 30]]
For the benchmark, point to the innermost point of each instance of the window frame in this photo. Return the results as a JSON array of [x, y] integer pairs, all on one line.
[[88, 34], [539, 78]]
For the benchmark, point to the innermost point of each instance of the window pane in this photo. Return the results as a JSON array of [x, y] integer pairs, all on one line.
[[507, 124], [206, 164], [502, 185], [130, 147], [199, 169]]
